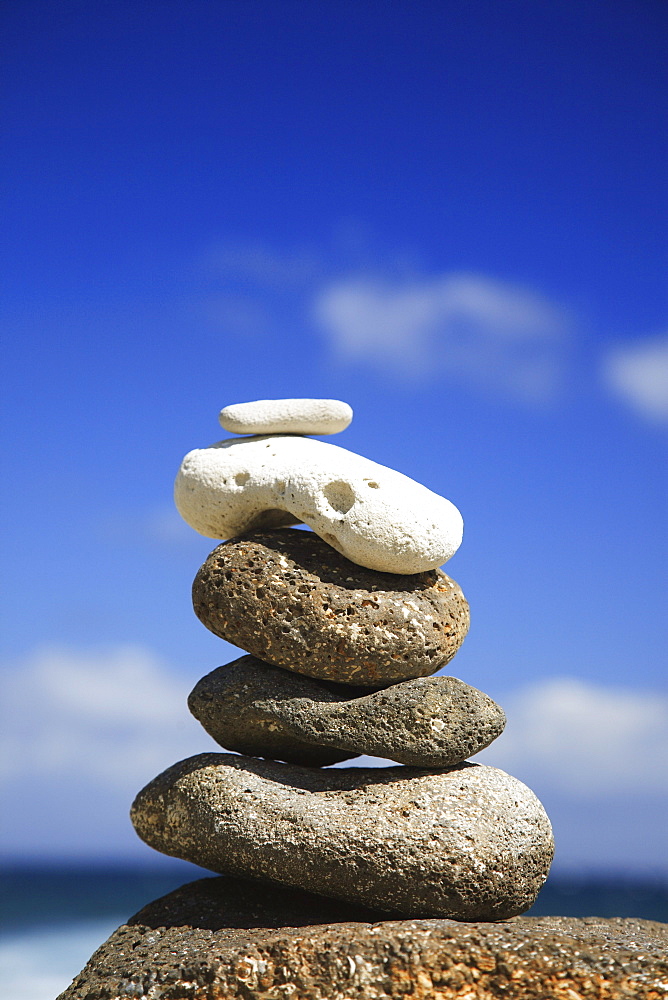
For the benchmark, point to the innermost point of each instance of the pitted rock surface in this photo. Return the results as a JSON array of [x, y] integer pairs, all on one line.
[[374, 516], [264, 711], [225, 939], [225, 903], [469, 842], [288, 598]]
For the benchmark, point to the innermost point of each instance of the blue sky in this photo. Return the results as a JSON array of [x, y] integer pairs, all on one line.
[[451, 215]]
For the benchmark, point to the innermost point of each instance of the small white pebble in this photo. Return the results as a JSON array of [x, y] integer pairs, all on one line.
[[287, 416]]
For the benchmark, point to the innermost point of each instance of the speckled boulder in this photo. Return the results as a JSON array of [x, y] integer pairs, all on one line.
[[231, 939], [470, 842], [264, 711], [228, 939], [289, 599]]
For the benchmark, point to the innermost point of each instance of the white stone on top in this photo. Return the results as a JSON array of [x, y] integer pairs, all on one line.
[[287, 416], [374, 516]]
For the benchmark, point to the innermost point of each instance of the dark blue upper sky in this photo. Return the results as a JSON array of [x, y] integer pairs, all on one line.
[[519, 138], [451, 214]]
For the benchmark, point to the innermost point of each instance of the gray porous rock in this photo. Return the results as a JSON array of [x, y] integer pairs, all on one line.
[[265, 711], [227, 939], [290, 599], [469, 842]]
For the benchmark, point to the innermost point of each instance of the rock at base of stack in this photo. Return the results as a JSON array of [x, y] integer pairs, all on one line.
[[469, 843], [238, 940]]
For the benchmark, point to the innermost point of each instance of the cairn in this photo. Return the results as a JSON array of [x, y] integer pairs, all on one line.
[[344, 626]]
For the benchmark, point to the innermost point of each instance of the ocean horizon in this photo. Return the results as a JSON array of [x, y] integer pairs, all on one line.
[[53, 916]]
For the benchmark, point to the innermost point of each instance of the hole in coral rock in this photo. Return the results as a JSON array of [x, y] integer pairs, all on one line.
[[242, 478], [339, 495]]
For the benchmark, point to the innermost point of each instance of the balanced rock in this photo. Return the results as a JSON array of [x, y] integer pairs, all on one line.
[[241, 940], [374, 516], [470, 842], [265, 711], [287, 416], [289, 599]]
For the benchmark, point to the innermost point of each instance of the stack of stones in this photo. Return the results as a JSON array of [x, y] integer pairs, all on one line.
[[344, 626]]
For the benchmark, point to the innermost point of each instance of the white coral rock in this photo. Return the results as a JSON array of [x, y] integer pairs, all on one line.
[[287, 416], [374, 516]]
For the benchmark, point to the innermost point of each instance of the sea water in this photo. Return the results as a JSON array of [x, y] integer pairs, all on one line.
[[54, 918], [39, 963]]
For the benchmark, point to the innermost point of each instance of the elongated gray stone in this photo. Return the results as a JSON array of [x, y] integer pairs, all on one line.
[[288, 598], [264, 711], [470, 842]]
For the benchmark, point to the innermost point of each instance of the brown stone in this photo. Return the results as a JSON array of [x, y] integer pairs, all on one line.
[[226, 939], [291, 600]]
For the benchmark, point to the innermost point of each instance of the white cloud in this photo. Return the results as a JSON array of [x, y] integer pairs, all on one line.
[[84, 730], [237, 315], [638, 373], [117, 716], [498, 337], [585, 740], [160, 526], [259, 264], [165, 526]]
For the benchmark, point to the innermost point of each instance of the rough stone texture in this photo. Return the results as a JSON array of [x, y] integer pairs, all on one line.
[[374, 516], [264, 711], [223, 939], [224, 902], [470, 842], [289, 599], [287, 416]]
